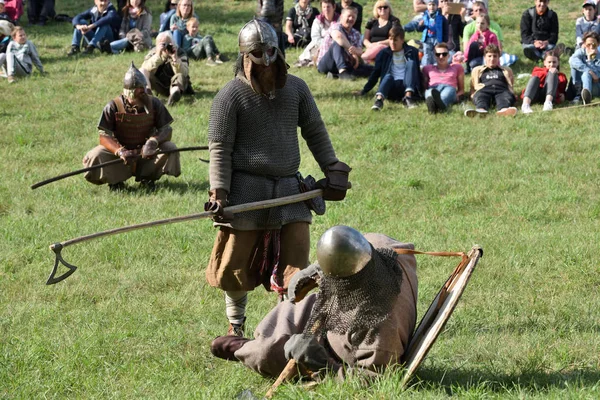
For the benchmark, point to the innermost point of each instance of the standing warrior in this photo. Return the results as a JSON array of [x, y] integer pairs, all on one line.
[[362, 317], [134, 124], [255, 155]]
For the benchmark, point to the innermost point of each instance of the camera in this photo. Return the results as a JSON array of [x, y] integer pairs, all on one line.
[[169, 47]]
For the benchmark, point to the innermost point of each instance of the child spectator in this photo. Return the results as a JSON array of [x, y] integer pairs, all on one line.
[[398, 68], [435, 30], [21, 55], [547, 85], [492, 83], [588, 23], [479, 8], [136, 29], [198, 47], [585, 67], [95, 25], [482, 37], [444, 82], [185, 11]]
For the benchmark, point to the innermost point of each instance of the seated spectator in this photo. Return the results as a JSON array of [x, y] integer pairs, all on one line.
[[419, 7], [539, 30], [341, 50], [320, 29], [40, 11], [482, 37], [178, 22], [435, 30], [198, 47], [398, 68], [166, 69], [587, 23], [479, 8], [469, 5], [491, 83], [21, 55], [13, 9], [377, 30], [585, 67], [136, 29], [95, 25], [444, 82], [165, 16], [547, 85], [4, 15], [456, 24], [299, 22], [359, 11]]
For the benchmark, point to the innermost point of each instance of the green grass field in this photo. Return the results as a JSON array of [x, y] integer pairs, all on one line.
[[137, 318]]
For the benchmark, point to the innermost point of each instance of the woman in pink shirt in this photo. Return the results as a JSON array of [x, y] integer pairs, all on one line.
[[444, 82]]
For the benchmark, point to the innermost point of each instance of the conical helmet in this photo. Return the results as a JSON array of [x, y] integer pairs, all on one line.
[[134, 78], [258, 39], [343, 251]]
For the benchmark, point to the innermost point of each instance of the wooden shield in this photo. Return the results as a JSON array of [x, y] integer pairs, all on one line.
[[438, 313]]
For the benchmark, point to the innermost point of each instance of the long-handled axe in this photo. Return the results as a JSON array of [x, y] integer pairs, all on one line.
[[117, 161], [258, 205]]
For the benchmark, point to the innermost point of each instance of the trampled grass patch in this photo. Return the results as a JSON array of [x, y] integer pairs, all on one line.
[[137, 318]]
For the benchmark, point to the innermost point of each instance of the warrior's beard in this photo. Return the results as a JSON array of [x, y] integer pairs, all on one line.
[[262, 79], [139, 99]]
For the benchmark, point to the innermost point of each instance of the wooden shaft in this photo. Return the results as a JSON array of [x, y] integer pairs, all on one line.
[[288, 372], [258, 205], [117, 161]]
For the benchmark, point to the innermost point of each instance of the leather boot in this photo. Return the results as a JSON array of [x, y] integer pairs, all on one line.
[[225, 346]]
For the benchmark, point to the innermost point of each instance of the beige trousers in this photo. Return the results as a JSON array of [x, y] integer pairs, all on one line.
[[151, 169]]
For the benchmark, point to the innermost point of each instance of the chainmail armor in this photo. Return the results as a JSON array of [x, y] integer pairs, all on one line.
[[266, 153], [357, 305]]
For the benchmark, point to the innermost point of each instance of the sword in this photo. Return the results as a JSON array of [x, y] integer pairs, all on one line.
[[258, 205], [117, 161]]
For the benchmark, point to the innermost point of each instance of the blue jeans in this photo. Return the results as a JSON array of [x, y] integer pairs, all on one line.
[[534, 54], [118, 45], [589, 84], [576, 76], [428, 45], [334, 60], [178, 37], [93, 37], [394, 89], [447, 93]]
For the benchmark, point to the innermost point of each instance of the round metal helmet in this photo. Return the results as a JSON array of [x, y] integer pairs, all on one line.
[[134, 78], [343, 251], [258, 39]]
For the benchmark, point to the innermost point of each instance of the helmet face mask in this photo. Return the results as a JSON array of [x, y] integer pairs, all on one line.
[[263, 55]]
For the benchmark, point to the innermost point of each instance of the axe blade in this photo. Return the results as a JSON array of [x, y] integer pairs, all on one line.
[[52, 279]]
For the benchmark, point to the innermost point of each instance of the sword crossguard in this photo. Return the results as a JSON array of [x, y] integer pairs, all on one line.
[[52, 279]]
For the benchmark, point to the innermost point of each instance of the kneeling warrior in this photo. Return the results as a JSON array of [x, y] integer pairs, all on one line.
[[134, 124], [362, 317]]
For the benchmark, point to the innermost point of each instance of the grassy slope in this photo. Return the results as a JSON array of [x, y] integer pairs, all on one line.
[[137, 317]]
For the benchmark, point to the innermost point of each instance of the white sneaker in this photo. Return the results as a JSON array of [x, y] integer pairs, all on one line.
[[526, 109], [547, 106]]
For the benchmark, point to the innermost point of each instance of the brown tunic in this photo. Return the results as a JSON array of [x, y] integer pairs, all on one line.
[[265, 353]]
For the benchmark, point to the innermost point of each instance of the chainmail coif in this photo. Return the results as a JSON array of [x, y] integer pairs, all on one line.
[[359, 303]]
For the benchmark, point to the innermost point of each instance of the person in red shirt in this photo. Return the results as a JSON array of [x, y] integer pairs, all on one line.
[[547, 85]]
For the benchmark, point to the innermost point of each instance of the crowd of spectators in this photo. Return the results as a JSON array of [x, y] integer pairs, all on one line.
[[458, 38]]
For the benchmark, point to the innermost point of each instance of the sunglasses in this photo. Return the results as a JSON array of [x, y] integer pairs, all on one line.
[[383, 7], [441, 54]]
